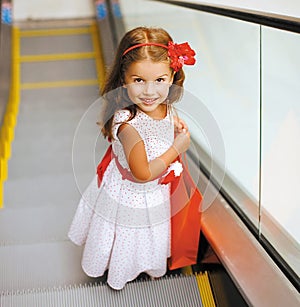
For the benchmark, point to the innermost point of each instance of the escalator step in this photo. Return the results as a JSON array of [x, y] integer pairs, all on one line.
[[205, 290], [168, 291]]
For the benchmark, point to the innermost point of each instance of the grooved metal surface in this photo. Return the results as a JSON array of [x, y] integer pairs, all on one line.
[[53, 71], [40, 265], [41, 195], [179, 291], [59, 44]]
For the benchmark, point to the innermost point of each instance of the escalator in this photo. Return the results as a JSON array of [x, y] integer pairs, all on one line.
[[57, 71], [55, 80]]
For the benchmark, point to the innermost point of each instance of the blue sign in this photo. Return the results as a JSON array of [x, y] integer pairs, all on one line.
[[6, 14], [101, 10], [117, 10]]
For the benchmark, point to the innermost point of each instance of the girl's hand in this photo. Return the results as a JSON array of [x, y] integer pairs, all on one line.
[[180, 125], [182, 142]]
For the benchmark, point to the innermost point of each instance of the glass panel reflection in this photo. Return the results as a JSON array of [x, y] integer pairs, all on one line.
[[281, 143]]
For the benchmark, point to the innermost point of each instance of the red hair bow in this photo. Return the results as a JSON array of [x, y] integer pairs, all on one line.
[[180, 54]]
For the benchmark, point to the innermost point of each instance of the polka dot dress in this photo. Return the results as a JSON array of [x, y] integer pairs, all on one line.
[[124, 225]]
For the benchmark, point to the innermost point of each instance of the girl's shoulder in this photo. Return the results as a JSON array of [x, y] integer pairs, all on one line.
[[121, 116]]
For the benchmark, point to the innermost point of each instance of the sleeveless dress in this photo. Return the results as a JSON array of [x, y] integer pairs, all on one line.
[[125, 225]]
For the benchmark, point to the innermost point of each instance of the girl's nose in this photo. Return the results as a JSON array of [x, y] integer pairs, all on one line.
[[149, 88]]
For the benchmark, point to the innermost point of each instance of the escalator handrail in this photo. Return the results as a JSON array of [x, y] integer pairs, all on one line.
[[277, 21]]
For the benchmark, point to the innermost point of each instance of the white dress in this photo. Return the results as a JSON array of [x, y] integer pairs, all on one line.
[[124, 225]]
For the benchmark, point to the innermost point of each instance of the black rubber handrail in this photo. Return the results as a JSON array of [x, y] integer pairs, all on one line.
[[277, 21]]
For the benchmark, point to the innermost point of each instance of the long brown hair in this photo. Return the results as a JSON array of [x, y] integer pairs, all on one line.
[[114, 94]]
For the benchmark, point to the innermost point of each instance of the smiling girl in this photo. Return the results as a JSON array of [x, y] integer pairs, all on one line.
[[123, 217]]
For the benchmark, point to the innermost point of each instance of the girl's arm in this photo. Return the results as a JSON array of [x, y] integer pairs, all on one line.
[[136, 156]]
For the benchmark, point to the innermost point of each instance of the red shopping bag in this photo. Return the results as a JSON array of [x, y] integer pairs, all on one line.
[[185, 211], [185, 221], [104, 164]]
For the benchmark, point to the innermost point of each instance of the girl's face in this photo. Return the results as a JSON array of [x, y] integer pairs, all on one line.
[[148, 84]]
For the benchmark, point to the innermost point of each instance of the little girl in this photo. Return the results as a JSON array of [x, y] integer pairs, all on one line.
[[123, 217]]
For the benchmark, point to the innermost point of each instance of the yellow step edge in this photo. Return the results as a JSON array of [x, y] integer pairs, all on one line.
[[5, 155], [11, 112], [57, 57], [187, 270], [9, 119], [67, 83], [205, 290], [3, 170], [55, 32], [100, 67], [7, 133]]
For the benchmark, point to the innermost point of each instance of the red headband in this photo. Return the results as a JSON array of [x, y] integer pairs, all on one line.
[[178, 53]]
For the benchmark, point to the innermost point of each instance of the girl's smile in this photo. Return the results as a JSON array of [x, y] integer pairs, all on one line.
[[148, 101], [148, 85]]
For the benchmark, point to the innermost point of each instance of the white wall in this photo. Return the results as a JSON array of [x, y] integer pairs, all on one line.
[[281, 7], [52, 9], [56, 9]]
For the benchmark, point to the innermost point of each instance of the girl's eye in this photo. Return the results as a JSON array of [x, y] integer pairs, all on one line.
[[138, 80], [160, 80]]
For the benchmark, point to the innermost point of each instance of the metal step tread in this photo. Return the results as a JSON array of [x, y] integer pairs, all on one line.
[[41, 265], [167, 291], [36, 224]]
